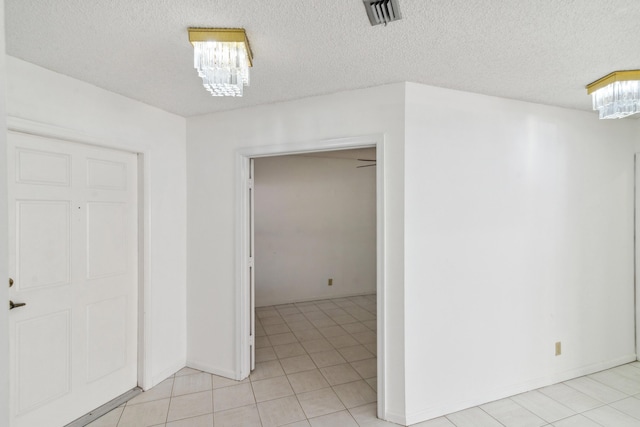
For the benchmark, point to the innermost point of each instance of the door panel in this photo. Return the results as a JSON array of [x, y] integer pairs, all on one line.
[[73, 256], [106, 239], [106, 175], [41, 167], [107, 335], [42, 380], [43, 243]]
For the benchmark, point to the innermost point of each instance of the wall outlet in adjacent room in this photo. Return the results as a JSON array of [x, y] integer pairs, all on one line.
[[330, 282], [558, 348]]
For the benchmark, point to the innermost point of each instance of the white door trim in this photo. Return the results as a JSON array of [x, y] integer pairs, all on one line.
[[144, 259], [636, 248], [243, 157]]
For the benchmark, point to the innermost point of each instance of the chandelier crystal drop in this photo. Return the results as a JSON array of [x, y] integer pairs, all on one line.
[[616, 95], [617, 100], [222, 66], [222, 58]]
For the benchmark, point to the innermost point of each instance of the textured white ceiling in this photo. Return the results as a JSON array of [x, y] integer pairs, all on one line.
[[542, 51]]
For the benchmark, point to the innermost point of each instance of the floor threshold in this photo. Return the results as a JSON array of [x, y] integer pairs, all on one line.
[[107, 407]]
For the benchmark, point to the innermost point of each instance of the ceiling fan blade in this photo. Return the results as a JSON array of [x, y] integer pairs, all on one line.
[[366, 160], [365, 166]]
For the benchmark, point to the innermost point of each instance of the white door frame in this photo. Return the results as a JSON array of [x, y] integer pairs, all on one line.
[[243, 217], [144, 260], [636, 248]]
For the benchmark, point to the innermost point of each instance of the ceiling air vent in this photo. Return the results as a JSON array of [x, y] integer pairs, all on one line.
[[382, 11]]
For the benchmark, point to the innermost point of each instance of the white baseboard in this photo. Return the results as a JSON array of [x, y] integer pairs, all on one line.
[[431, 412], [396, 418], [165, 373], [212, 369], [285, 300]]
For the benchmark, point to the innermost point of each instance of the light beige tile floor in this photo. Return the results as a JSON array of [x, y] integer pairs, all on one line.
[[316, 366], [609, 398]]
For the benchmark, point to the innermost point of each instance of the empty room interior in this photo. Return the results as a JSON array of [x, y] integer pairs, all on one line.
[[315, 277], [390, 212]]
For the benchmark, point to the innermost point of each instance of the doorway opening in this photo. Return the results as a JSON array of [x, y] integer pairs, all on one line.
[[314, 307], [314, 226]]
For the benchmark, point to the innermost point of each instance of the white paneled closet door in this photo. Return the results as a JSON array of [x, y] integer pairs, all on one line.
[[74, 264]]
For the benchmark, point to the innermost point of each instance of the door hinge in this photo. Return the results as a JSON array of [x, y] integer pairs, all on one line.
[[250, 184], [252, 340], [251, 262]]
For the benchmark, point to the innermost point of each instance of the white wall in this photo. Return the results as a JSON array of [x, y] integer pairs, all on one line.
[[4, 255], [518, 233], [211, 180], [46, 97], [315, 219]]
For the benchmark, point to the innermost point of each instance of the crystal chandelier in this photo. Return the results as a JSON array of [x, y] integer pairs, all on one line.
[[222, 57], [616, 95]]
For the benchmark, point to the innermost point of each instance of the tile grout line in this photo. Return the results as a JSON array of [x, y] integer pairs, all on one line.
[[255, 399], [497, 420], [590, 376], [173, 384], [121, 413], [581, 414], [593, 397]]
